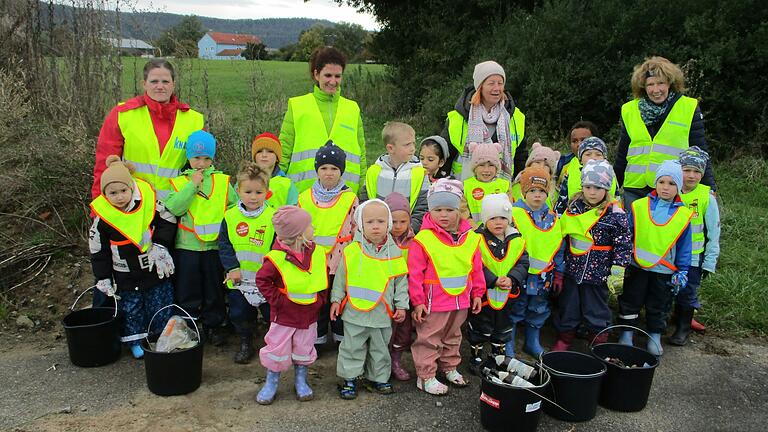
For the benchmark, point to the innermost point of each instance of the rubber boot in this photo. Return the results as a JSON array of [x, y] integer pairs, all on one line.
[[595, 339], [498, 349], [137, 351], [564, 341], [654, 344], [509, 347], [697, 326], [532, 344], [398, 370], [246, 352], [269, 389], [476, 358], [626, 337], [684, 316], [303, 390]]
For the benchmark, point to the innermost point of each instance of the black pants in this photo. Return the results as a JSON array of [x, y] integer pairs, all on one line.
[[490, 325], [647, 289], [582, 302], [337, 327], [199, 285], [242, 315]]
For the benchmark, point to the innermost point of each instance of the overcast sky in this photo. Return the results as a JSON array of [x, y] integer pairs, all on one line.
[[255, 9]]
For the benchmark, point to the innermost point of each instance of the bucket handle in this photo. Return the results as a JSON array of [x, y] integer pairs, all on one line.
[[72, 308], [149, 326], [568, 374], [591, 344]]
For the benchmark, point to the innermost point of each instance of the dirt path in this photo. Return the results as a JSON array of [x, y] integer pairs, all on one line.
[[711, 385]]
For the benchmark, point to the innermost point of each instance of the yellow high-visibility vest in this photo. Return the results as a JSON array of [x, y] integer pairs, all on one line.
[[498, 297], [251, 239], [206, 213], [301, 287], [653, 241], [542, 245], [453, 263], [368, 277], [697, 201], [327, 222], [475, 191], [458, 129], [311, 135], [279, 186], [645, 153], [142, 149], [416, 179], [578, 227], [134, 225]]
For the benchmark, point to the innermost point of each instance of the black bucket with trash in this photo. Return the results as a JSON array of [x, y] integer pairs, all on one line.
[[511, 394], [174, 359], [628, 380], [93, 334], [574, 389]]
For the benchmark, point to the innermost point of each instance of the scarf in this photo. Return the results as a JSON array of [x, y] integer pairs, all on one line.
[[478, 132], [324, 195], [250, 213], [650, 112]]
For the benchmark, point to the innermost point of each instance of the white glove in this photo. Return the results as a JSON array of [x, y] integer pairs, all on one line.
[[252, 295], [105, 286], [161, 260]]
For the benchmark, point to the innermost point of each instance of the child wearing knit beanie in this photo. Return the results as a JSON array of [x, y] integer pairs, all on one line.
[[266, 152], [294, 280], [485, 164], [591, 148], [445, 280], [539, 156], [129, 241]]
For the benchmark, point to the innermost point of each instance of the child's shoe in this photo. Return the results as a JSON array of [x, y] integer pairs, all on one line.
[[215, 336], [246, 352], [348, 390], [303, 390], [379, 387], [532, 344], [137, 351], [454, 377], [431, 386], [509, 347], [476, 359], [498, 349], [397, 368], [269, 389], [564, 340], [654, 345], [626, 337]]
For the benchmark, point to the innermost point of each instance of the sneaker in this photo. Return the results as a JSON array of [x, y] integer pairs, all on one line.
[[455, 378], [431, 386], [348, 390], [378, 387]]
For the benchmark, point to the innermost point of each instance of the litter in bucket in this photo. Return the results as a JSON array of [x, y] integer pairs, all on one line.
[[503, 406], [627, 382], [575, 385], [93, 334], [173, 373]]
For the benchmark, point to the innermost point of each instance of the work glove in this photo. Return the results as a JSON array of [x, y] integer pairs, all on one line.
[[679, 281], [615, 280], [557, 283], [161, 260], [252, 295], [105, 286]]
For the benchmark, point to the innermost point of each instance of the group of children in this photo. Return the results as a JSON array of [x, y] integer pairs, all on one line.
[[418, 251]]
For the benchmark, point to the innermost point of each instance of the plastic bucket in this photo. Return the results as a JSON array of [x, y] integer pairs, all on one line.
[[93, 334], [625, 389], [504, 408], [175, 373], [575, 385]]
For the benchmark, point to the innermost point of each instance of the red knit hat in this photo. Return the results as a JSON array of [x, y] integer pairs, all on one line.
[[268, 141]]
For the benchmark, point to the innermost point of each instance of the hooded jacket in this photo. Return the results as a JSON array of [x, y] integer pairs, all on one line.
[[498, 248], [420, 268]]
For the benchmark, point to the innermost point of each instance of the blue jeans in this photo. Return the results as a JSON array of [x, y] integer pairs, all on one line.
[[533, 309], [688, 297]]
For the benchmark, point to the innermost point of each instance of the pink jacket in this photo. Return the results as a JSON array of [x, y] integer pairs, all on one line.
[[420, 268]]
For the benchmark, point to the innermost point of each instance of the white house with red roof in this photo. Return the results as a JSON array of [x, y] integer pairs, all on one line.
[[224, 46]]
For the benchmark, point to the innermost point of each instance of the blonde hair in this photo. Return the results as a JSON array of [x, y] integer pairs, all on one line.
[[393, 130], [657, 66], [250, 171], [600, 206], [476, 98]]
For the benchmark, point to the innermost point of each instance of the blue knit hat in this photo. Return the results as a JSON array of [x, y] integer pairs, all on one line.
[[695, 158], [201, 143], [332, 154], [593, 143], [672, 169]]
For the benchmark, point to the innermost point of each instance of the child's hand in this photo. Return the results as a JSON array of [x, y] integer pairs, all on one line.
[[419, 313], [399, 316], [504, 282], [477, 305], [197, 178], [335, 311], [234, 276]]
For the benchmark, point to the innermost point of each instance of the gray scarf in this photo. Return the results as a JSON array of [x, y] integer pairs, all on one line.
[[324, 195]]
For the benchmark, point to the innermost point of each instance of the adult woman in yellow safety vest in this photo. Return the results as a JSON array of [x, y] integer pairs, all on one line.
[[486, 113], [150, 131], [319, 116], [656, 126]]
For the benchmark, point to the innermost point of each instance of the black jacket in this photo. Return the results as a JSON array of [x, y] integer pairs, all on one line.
[[519, 272]]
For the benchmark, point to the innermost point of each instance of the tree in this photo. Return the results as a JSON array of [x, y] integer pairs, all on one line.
[[310, 40], [181, 39], [255, 51]]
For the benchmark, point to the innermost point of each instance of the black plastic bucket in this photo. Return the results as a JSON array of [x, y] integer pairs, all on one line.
[[575, 385], [625, 389], [175, 373], [93, 335], [504, 408]]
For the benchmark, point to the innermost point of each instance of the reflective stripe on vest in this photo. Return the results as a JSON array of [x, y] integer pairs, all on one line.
[[542, 245], [301, 286], [646, 153], [578, 227], [455, 261], [368, 277], [311, 133], [475, 191], [697, 201], [206, 213], [498, 297], [279, 186], [574, 179], [142, 149], [328, 221], [251, 238], [408, 185], [654, 241], [458, 131], [135, 224]]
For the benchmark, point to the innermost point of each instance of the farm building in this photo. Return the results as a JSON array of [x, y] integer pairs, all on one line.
[[132, 47], [224, 46]]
